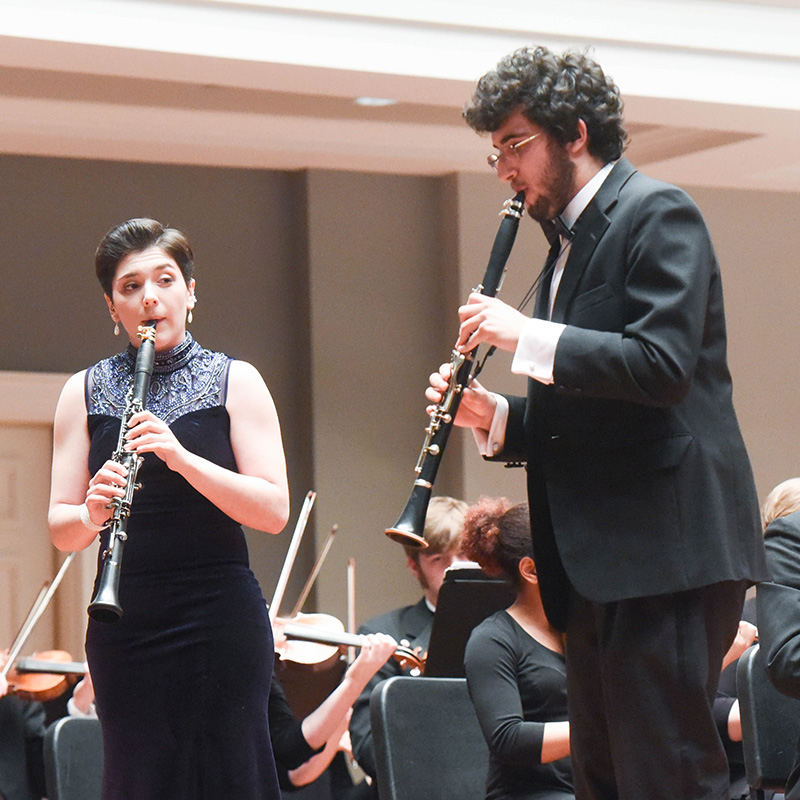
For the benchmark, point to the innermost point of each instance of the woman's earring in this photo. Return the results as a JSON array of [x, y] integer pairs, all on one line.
[[189, 316], [116, 329]]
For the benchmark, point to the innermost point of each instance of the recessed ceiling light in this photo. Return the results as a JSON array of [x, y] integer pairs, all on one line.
[[375, 101]]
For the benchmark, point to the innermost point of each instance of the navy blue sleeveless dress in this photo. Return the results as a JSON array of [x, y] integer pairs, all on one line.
[[182, 679]]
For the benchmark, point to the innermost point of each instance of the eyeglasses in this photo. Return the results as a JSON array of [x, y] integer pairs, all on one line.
[[513, 150]]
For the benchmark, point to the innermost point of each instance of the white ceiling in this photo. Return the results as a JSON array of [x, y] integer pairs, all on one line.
[[712, 87]]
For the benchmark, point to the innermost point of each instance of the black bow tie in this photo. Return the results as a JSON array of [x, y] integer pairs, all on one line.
[[554, 228]]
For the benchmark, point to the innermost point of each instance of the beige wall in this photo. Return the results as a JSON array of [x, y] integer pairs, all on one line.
[[757, 239], [342, 288]]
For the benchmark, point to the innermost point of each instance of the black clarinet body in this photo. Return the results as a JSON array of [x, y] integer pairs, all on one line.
[[105, 606], [409, 529]]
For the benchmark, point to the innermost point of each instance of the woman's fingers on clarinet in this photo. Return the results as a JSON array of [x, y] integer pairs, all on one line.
[[108, 478]]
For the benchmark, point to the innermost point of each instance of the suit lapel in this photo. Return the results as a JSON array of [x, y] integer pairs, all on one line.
[[589, 229]]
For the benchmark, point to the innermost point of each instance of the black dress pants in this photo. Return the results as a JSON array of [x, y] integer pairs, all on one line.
[[642, 675]]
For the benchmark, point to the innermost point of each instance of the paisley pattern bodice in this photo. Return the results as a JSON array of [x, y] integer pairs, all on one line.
[[186, 378]]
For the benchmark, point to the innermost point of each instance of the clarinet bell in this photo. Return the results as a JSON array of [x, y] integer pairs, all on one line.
[[105, 605], [409, 530]]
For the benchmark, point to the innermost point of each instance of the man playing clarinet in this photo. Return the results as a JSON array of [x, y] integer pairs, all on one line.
[[643, 509]]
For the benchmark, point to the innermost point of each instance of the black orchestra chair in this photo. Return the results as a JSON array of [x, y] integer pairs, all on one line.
[[770, 727], [73, 759], [428, 743]]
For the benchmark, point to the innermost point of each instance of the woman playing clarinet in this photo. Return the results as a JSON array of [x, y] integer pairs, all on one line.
[[182, 678]]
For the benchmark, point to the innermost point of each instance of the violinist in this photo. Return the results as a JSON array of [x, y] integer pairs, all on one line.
[[304, 749], [22, 727], [411, 625]]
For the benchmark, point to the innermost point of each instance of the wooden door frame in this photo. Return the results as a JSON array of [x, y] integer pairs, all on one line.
[[30, 398]]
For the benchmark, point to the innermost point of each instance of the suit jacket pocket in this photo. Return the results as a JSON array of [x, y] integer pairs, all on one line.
[[591, 298]]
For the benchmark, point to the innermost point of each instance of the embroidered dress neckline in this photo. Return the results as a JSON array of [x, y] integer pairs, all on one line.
[[174, 359]]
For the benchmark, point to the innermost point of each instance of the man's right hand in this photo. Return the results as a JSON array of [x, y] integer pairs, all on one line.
[[477, 406]]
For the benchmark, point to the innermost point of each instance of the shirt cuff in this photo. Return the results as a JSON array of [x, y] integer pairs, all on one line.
[[74, 711], [491, 442], [536, 350]]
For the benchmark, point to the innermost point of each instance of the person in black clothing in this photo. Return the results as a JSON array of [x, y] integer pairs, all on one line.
[[22, 726], [410, 625], [643, 506], [778, 601], [303, 749], [515, 665]]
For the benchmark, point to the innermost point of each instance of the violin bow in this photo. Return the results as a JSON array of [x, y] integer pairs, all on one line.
[[291, 555], [37, 609], [351, 603], [298, 606]]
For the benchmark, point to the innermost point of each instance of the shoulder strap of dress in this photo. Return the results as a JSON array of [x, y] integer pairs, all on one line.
[[223, 389], [88, 385]]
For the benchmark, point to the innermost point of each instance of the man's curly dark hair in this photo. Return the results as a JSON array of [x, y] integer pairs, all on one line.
[[553, 92]]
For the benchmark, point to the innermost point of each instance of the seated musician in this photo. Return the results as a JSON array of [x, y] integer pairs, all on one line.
[[515, 666], [22, 726], [304, 749], [779, 612], [410, 625]]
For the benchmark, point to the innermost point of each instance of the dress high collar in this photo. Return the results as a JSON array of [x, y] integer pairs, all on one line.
[[173, 359]]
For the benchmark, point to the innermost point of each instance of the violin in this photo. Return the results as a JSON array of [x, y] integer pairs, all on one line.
[[55, 670], [44, 675], [325, 629], [310, 662]]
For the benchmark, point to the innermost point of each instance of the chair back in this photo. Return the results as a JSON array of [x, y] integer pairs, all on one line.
[[73, 759], [770, 725], [428, 743]]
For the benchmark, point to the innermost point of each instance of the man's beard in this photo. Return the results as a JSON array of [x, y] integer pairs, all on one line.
[[558, 178]]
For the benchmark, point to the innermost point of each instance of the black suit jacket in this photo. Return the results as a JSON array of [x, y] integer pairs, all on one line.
[[779, 616], [409, 626], [638, 477]]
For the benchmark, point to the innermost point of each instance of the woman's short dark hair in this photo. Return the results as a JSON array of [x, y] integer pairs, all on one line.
[[553, 92], [497, 535], [134, 236]]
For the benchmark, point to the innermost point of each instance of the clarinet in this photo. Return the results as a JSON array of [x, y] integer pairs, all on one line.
[[409, 529], [105, 606]]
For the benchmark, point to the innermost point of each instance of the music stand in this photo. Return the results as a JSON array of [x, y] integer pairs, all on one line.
[[468, 595]]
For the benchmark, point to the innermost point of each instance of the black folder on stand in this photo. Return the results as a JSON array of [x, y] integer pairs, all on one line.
[[468, 595]]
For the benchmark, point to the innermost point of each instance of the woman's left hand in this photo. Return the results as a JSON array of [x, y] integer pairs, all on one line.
[[149, 434]]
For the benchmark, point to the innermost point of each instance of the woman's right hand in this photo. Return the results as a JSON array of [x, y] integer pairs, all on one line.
[[106, 484], [477, 406]]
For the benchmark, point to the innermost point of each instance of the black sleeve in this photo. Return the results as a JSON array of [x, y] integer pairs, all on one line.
[[360, 730], [491, 667], [33, 717], [286, 733], [778, 605]]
